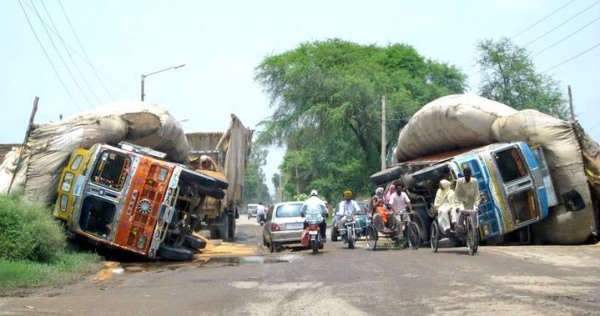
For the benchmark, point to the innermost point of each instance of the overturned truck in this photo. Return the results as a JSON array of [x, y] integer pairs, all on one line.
[[116, 176], [538, 175]]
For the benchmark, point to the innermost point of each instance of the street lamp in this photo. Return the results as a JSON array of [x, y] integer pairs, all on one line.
[[154, 73]]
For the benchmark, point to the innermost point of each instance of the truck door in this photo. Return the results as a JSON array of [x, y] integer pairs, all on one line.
[[518, 185]]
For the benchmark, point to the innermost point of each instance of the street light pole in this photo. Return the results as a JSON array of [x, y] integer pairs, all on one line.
[[143, 78]]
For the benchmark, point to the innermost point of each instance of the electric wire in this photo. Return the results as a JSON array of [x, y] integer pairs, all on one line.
[[562, 24], [565, 37], [541, 20], [48, 56], [66, 48], [572, 58], [37, 13], [83, 50]]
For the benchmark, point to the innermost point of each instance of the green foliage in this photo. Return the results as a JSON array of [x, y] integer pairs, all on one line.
[[509, 77], [327, 99], [28, 231], [67, 267], [255, 188]]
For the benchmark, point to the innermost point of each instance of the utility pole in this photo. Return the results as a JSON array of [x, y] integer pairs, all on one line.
[[571, 104], [27, 133], [383, 130]]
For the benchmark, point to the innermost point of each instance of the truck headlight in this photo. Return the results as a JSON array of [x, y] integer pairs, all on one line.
[[67, 181], [64, 200]]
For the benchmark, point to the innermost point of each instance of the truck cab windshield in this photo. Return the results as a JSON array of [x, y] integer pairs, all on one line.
[[111, 170]]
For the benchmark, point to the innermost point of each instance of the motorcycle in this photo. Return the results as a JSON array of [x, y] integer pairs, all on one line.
[[348, 232], [261, 219], [311, 236]]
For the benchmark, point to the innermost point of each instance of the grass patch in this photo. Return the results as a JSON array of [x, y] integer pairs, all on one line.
[[17, 276], [33, 249]]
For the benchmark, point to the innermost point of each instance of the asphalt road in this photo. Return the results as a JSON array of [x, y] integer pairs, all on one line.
[[534, 280]]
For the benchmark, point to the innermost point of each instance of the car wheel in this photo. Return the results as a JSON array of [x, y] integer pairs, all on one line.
[[273, 247]]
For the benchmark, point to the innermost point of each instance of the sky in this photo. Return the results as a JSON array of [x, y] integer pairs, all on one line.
[[222, 42]]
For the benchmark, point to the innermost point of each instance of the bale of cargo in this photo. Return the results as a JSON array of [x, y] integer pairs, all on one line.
[[50, 145], [466, 121]]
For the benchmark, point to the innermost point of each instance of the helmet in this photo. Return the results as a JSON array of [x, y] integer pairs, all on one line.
[[347, 194], [314, 193]]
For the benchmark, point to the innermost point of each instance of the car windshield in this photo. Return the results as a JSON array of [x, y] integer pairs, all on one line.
[[289, 210]]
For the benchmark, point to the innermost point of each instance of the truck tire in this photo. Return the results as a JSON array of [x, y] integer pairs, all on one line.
[[193, 242], [175, 253], [224, 226], [214, 232], [423, 221], [231, 230]]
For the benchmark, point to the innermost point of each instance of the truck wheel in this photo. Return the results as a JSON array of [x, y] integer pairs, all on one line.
[[231, 228], [214, 232], [194, 242], [175, 253], [224, 226]]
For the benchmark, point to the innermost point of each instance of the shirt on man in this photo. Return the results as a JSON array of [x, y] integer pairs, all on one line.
[[467, 193], [347, 208], [399, 201]]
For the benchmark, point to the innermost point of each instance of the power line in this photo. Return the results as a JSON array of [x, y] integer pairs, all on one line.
[[563, 23], [66, 47], [572, 58], [87, 58], [37, 13], [566, 37], [47, 55], [541, 20]]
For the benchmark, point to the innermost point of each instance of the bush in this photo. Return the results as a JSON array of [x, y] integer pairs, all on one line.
[[28, 231]]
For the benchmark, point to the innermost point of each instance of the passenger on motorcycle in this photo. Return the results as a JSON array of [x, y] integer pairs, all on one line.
[[261, 212], [346, 209], [315, 208]]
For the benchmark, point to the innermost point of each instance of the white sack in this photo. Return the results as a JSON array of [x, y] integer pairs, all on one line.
[[7, 171], [451, 122], [50, 145]]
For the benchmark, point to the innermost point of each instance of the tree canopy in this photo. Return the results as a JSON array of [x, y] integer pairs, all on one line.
[[509, 76], [255, 188], [326, 96]]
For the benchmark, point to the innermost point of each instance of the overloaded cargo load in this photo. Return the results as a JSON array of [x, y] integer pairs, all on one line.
[[467, 121], [50, 145]]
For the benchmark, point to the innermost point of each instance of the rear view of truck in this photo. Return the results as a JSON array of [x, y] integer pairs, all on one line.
[[230, 150]]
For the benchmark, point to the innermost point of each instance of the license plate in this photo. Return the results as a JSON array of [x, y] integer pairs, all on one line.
[[294, 226], [312, 232]]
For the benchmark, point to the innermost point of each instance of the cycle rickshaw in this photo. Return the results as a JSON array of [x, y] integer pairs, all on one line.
[[465, 230], [400, 227]]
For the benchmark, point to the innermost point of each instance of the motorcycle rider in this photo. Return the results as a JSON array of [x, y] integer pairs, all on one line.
[[346, 209], [261, 211], [313, 206]]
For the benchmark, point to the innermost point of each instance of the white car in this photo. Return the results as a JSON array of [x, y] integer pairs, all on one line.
[[284, 225], [252, 210]]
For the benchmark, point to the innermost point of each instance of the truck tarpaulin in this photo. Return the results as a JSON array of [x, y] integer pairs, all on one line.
[[466, 121], [50, 145], [236, 144]]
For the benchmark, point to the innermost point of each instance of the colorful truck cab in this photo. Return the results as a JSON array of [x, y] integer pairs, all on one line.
[[515, 186], [131, 199]]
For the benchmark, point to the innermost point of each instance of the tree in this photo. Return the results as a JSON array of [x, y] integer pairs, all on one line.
[[255, 189], [327, 96], [509, 77]]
